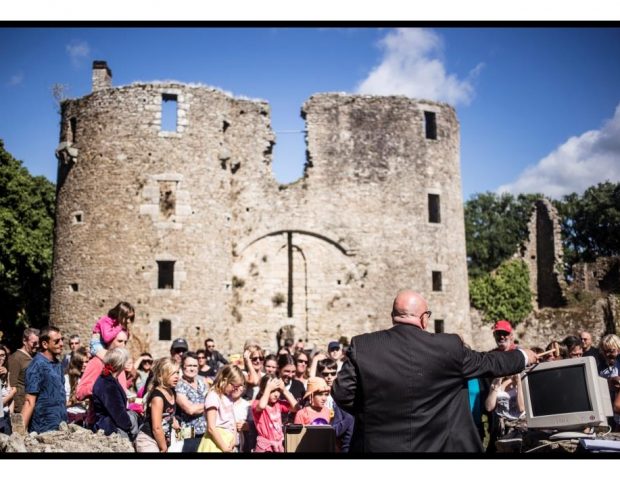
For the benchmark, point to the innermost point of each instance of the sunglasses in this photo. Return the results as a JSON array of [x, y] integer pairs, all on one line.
[[257, 359], [302, 361], [329, 374]]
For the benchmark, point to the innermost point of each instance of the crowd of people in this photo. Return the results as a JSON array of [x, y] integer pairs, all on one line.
[[189, 401], [201, 401], [502, 397]]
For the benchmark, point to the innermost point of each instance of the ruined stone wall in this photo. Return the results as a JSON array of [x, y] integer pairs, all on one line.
[[321, 257], [600, 276], [543, 254]]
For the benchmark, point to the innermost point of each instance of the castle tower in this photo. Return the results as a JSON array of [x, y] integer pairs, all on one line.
[[167, 200]]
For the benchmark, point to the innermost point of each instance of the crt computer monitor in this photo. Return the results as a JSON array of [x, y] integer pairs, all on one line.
[[566, 395]]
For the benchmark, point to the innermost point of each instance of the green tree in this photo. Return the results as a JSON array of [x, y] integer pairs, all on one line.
[[590, 223], [503, 294], [495, 225], [26, 236]]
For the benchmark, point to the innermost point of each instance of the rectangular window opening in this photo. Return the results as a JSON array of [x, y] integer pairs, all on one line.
[[439, 327], [72, 129], [434, 212], [437, 287], [430, 125], [165, 277], [74, 287], [168, 112], [167, 198], [78, 218], [165, 330]]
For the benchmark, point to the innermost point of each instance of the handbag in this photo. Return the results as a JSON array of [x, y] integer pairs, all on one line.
[[208, 445], [176, 444]]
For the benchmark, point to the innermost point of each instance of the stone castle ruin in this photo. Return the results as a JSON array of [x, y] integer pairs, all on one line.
[[543, 254], [184, 219]]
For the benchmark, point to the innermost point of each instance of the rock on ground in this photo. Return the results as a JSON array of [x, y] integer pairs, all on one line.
[[68, 438]]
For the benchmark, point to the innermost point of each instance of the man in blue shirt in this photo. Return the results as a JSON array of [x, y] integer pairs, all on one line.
[[44, 407]]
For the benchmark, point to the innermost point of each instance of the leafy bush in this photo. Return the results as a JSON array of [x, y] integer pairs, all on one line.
[[503, 294], [26, 232]]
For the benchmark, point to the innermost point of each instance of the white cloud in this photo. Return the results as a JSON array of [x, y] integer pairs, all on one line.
[[580, 162], [78, 51], [16, 79], [412, 66]]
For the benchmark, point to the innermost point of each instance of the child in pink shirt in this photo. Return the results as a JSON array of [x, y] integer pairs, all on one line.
[[267, 413], [316, 411], [109, 326]]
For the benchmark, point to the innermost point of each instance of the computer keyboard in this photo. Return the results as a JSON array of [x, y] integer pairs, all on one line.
[[571, 435], [600, 445]]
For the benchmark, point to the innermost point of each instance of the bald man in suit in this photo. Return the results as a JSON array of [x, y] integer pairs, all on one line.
[[407, 388]]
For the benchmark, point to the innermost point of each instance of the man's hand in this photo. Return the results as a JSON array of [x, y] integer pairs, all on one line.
[[531, 356]]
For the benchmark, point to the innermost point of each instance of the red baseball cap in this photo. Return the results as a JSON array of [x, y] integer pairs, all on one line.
[[502, 325]]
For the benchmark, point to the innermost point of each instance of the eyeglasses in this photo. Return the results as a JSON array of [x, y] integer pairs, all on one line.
[[329, 374], [201, 357], [500, 333], [150, 362], [302, 361], [257, 359]]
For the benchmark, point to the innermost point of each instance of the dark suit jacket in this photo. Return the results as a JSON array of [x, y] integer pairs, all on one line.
[[407, 390]]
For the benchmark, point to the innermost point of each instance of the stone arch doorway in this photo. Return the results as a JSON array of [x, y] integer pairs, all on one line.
[[287, 279]]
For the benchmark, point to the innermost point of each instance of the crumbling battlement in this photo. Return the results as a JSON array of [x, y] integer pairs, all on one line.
[[600, 277], [543, 254], [188, 223]]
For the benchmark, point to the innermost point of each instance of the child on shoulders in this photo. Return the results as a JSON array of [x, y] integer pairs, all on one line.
[[109, 326]]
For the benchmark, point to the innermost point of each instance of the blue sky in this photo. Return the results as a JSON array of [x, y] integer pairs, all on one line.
[[538, 107]]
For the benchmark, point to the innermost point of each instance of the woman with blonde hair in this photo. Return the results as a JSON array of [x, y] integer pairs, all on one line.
[[254, 359], [610, 351], [221, 433], [156, 432]]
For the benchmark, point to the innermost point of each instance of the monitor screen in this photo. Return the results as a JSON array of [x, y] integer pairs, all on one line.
[[566, 395], [555, 391]]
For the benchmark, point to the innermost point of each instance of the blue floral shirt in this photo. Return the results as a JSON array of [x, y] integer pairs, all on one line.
[[197, 395], [45, 379]]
